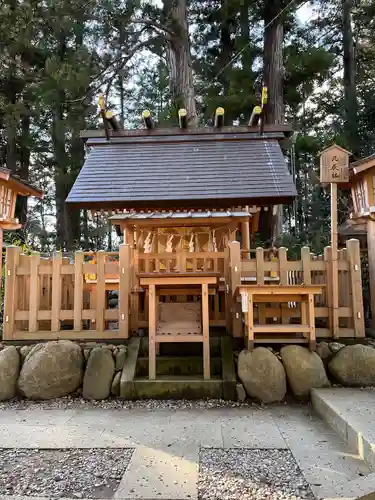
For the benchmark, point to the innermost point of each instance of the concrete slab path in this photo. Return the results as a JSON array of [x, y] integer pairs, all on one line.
[[351, 413], [165, 462]]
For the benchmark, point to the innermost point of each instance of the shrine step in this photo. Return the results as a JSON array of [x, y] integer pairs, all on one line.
[[183, 349], [168, 387], [178, 366]]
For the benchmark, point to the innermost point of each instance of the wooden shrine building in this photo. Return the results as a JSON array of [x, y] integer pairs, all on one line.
[[188, 204]]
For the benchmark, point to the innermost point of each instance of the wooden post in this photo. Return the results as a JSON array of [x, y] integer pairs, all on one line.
[[56, 292], [245, 233], [250, 323], [334, 169], [78, 291], [354, 259], [260, 281], [151, 332], [371, 264], [124, 292], [306, 265], [100, 292], [312, 338], [134, 298], [334, 268], [206, 333], [125, 233], [283, 264], [10, 291], [235, 281], [227, 304], [328, 262], [1, 256], [283, 275], [34, 292]]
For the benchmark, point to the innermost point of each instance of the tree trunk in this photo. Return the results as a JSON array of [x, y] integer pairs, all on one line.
[[273, 77], [63, 232], [179, 58], [350, 94], [273, 61], [21, 207], [228, 27]]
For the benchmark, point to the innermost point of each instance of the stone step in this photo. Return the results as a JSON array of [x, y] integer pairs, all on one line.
[[170, 387], [351, 413], [178, 365]]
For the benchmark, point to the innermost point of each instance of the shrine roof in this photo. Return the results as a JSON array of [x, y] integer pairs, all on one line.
[[186, 169], [19, 185]]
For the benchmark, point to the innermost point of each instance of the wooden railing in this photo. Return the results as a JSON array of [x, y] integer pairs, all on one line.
[[182, 262], [58, 297], [310, 269], [73, 297], [216, 262]]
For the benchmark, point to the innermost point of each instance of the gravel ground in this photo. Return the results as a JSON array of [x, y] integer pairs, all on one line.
[[70, 473], [71, 402], [239, 474]]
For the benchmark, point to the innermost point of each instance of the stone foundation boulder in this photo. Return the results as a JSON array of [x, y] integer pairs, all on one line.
[[304, 369], [354, 365], [51, 370], [9, 371], [120, 359], [99, 374], [262, 375]]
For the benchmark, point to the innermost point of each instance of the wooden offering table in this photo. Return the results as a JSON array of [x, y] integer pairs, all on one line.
[[264, 294], [178, 322]]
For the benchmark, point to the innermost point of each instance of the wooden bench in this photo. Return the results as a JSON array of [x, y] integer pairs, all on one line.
[[173, 323], [263, 294]]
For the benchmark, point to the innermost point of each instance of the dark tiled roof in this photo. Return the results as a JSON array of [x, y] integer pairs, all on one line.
[[188, 171]]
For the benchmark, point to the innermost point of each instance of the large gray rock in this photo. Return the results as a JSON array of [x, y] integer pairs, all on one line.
[[99, 374], [120, 359], [304, 369], [324, 352], [9, 371], [354, 365], [51, 370], [262, 375], [115, 388]]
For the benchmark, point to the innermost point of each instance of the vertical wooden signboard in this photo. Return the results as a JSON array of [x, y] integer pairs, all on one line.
[[334, 170]]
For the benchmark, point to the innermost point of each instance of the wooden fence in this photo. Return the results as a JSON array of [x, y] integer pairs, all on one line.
[[61, 297], [97, 296], [49, 298], [309, 270]]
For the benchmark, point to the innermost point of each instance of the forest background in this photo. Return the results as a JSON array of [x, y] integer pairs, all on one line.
[[317, 59]]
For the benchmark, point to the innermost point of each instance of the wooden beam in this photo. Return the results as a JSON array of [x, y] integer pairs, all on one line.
[[94, 134]]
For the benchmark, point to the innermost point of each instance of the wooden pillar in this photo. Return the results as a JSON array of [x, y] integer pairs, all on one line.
[[235, 281], [371, 264], [335, 273], [56, 292], [1, 259], [245, 233], [355, 284], [126, 234], [124, 292], [78, 291], [10, 292]]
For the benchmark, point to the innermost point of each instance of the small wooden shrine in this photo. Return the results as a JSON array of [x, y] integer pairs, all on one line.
[[188, 203], [362, 217], [10, 187]]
